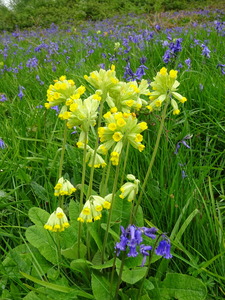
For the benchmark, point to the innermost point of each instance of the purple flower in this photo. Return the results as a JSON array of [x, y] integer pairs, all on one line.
[[163, 249], [2, 144], [131, 238], [222, 67], [187, 137], [21, 94], [188, 62], [39, 80], [32, 63], [205, 51], [143, 251], [56, 108], [75, 131], [3, 98], [150, 232]]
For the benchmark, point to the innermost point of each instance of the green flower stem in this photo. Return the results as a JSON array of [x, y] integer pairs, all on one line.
[[153, 157], [148, 269], [82, 193], [111, 209], [106, 179], [61, 198], [120, 275], [95, 151], [112, 276], [125, 163]]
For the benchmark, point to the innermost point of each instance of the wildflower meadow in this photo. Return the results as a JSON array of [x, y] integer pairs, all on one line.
[[112, 156]]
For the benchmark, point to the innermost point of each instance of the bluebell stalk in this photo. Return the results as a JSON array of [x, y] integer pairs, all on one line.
[[132, 237]]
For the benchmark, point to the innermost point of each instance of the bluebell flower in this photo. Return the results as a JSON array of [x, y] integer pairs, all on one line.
[[205, 51], [32, 63], [2, 144], [131, 239], [187, 137], [39, 80], [144, 251], [3, 98], [56, 108], [21, 94], [188, 62], [163, 248], [222, 68], [75, 131], [140, 72]]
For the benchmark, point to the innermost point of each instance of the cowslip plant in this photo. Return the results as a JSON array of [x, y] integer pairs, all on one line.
[[104, 250]]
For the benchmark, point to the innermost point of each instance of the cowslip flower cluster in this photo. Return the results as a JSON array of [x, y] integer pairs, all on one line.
[[132, 237], [92, 210], [82, 113], [120, 128], [126, 96], [103, 80], [63, 92], [92, 160], [57, 221], [165, 89], [63, 187], [130, 189]]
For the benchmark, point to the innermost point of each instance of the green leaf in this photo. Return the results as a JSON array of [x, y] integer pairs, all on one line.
[[43, 241], [106, 265], [38, 216], [25, 258], [180, 287], [132, 276], [39, 191], [101, 286], [93, 228], [56, 287], [81, 266], [112, 232], [121, 210], [72, 252]]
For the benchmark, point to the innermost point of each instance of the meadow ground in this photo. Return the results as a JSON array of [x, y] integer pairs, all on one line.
[[184, 192]]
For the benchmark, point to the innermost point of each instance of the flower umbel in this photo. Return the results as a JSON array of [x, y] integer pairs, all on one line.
[[64, 187], [164, 89], [93, 207], [130, 189], [57, 221]]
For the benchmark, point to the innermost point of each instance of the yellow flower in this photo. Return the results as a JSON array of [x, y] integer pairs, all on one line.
[[93, 207], [57, 221], [164, 89], [64, 187], [130, 189]]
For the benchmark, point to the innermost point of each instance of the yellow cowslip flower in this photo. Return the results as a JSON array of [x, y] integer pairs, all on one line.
[[57, 221], [93, 207], [130, 189], [127, 96], [117, 136], [165, 89], [64, 187], [92, 161], [62, 92], [112, 126], [83, 113], [103, 80], [120, 128]]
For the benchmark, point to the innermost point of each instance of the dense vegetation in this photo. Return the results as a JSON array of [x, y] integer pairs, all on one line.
[[184, 195], [29, 13]]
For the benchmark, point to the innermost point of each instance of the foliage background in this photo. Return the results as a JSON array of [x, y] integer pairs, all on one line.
[[29, 13]]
